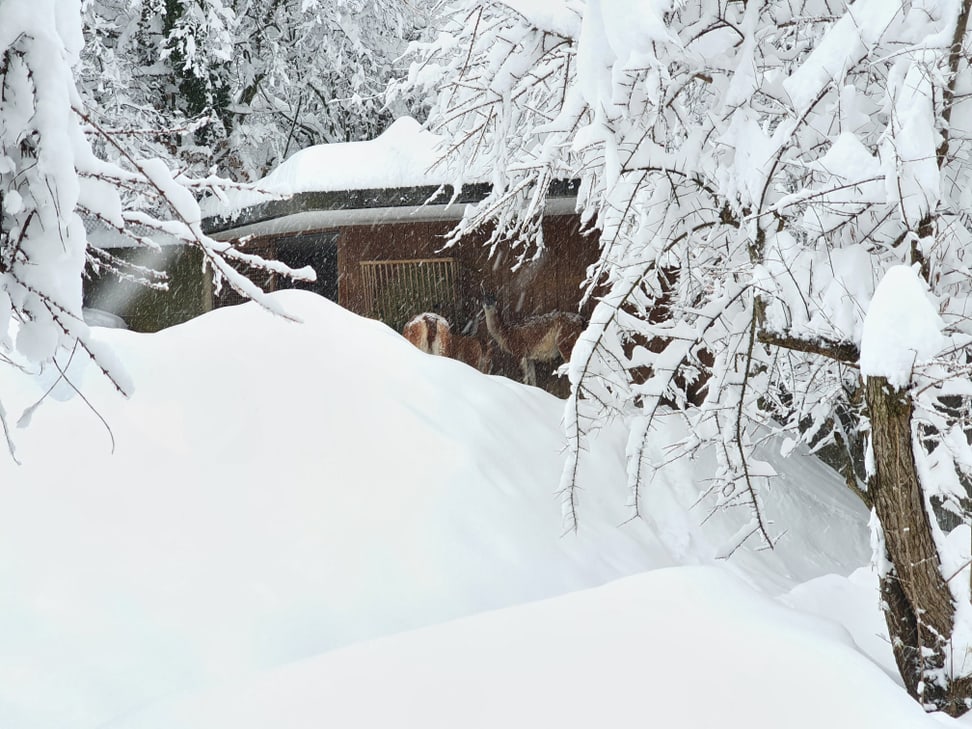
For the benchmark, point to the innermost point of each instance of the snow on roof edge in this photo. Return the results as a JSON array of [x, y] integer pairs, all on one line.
[[377, 205], [319, 219]]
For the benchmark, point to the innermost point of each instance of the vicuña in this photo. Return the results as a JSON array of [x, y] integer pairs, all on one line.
[[473, 352], [433, 335], [535, 339]]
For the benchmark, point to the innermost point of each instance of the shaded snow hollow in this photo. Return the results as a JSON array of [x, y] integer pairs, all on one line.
[[283, 495]]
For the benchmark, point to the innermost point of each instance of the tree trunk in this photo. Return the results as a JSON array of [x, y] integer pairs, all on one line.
[[918, 605]]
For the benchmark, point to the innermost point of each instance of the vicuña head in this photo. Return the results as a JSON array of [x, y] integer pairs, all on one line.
[[535, 339]]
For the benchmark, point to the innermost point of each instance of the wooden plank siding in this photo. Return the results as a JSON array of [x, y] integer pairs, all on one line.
[[550, 283]]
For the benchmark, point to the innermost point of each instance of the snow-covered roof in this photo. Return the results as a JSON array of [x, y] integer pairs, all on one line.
[[404, 155], [392, 178]]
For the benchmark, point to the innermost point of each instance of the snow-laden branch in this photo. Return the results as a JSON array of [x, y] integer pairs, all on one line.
[[776, 159]]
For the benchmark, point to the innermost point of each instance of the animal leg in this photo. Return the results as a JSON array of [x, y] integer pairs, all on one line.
[[529, 371], [565, 344]]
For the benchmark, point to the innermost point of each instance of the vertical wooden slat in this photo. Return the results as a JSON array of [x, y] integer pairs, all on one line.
[[382, 291], [377, 291], [424, 290], [413, 302], [366, 292], [366, 274]]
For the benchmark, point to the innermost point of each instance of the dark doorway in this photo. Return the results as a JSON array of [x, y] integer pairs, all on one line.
[[317, 250]]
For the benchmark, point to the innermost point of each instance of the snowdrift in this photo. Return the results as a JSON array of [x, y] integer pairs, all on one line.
[[691, 648], [281, 490]]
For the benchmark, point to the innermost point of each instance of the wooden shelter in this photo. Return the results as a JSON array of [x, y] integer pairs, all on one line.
[[381, 253], [373, 221], [389, 263]]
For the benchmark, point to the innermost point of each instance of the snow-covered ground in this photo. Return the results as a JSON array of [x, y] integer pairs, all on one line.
[[317, 525]]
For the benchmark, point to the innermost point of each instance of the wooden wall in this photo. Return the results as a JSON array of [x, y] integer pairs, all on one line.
[[550, 283], [189, 292]]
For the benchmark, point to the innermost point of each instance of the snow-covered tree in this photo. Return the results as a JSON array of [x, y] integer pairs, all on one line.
[[780, 189], [53, 187], [315, 72], [161, 68], [237, 85]]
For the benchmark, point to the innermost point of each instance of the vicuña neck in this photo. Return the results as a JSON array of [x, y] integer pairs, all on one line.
[[496, 328]]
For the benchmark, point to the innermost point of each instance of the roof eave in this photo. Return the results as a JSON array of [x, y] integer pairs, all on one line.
[[351, 207]]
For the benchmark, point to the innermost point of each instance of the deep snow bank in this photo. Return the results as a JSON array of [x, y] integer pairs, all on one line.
[[280, 490], [692, 648]]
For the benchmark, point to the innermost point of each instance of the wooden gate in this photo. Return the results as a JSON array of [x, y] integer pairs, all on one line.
[[395, 291]]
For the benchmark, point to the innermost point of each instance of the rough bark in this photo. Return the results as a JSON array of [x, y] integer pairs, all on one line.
[[919, 608]]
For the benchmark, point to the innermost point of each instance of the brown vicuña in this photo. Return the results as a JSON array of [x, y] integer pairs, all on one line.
[[535, 339], [433, 335], [473, 352]]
